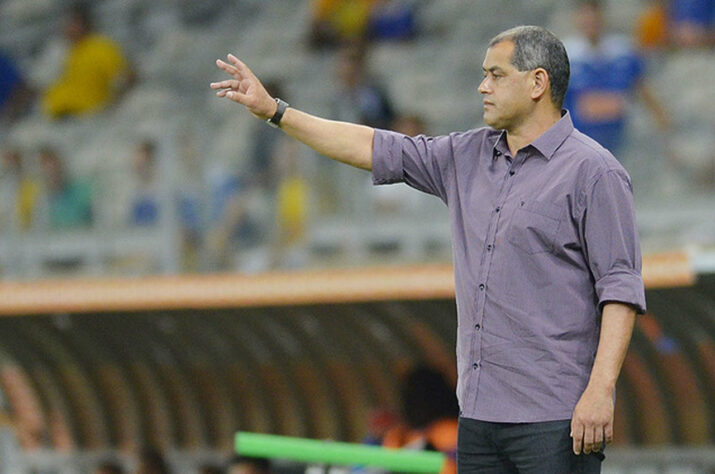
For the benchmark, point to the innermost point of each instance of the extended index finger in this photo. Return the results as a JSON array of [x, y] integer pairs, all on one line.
[[227, 67], [240, 65]]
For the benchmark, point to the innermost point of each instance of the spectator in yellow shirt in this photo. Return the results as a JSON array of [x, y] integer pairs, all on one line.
[[94, 71], [337, 21], [18, 193]]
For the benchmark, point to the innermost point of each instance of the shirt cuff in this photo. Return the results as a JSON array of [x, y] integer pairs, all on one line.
[[623, 287], [387, 158]]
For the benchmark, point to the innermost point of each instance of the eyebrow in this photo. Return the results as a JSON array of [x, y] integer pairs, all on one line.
[[492, 69]]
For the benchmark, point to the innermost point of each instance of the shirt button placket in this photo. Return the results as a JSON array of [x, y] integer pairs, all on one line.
[[489, 254]]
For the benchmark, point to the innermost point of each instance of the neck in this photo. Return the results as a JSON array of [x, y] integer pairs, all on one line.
[[530, 129]]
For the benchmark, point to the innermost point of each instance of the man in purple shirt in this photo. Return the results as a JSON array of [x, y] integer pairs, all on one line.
[[546, 254]]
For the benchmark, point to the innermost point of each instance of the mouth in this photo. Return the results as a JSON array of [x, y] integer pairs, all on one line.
[[488, 104]]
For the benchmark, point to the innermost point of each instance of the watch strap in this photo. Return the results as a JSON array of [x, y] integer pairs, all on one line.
[[280, 110]]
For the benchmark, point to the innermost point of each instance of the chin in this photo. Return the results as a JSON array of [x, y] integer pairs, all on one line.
[[492, 122]]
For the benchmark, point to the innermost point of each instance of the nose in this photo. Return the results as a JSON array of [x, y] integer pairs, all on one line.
[[483, 89]]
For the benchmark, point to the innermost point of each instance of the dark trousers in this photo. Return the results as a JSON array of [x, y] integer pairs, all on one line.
[[511, 448]]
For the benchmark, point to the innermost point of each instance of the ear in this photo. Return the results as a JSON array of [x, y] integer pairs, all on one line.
[[540, 84]]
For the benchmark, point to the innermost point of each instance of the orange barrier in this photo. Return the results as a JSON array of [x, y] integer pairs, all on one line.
[[270, 289]]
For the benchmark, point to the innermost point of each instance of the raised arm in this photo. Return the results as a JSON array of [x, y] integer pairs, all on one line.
[[345, 142]]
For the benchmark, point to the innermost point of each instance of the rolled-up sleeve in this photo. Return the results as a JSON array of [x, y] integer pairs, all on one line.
[[420, 161], [610, 240]]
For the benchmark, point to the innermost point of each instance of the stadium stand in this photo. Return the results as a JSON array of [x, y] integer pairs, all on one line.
[[171, 50]]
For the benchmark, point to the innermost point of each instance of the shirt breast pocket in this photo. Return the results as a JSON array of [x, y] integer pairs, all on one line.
[[534, 227]]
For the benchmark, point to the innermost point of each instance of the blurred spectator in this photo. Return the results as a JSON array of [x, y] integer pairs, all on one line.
[[19, 193], [144, 209], [379, 423], [94, 70], [338, 22], [67, 200], [245, 465], [273, 176], [215, 208], [392, 20], [691, 22], [14, 92], [679, 23], [605, 71], [262, 169], [151, 461], [409, 124], [652, 26], [235, 224], [335, 22], [360, 99], [190, 173], [109, 467], [430, 411], [291, 209]]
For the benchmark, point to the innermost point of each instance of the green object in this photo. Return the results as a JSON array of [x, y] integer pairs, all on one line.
[[335, 453]]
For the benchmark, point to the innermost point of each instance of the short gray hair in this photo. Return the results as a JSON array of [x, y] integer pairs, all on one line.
[[536, 47]]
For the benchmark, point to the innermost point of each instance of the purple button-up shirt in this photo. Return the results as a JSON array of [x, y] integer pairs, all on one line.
[[540, 242]]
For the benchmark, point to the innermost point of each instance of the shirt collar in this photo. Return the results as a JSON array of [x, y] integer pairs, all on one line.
[[500, 147], [547, 143], [551, 140]]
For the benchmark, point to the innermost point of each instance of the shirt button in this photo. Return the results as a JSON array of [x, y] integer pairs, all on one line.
[[511, 173], [497, 152], [498, 208], [489, 248], [481, 286], [477, 326], [475, 366]]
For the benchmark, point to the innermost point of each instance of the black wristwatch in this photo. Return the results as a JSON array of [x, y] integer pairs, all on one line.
[[276, 119]]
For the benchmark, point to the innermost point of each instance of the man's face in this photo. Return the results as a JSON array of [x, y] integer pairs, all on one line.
[[506, 91]]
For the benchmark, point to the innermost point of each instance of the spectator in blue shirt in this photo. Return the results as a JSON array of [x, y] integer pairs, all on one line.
[[392, 20], [360, 97], [14, 94], [605, 72], [691, 22], [144, 209]]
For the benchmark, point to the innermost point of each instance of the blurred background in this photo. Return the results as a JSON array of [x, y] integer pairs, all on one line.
[[174, 270]]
